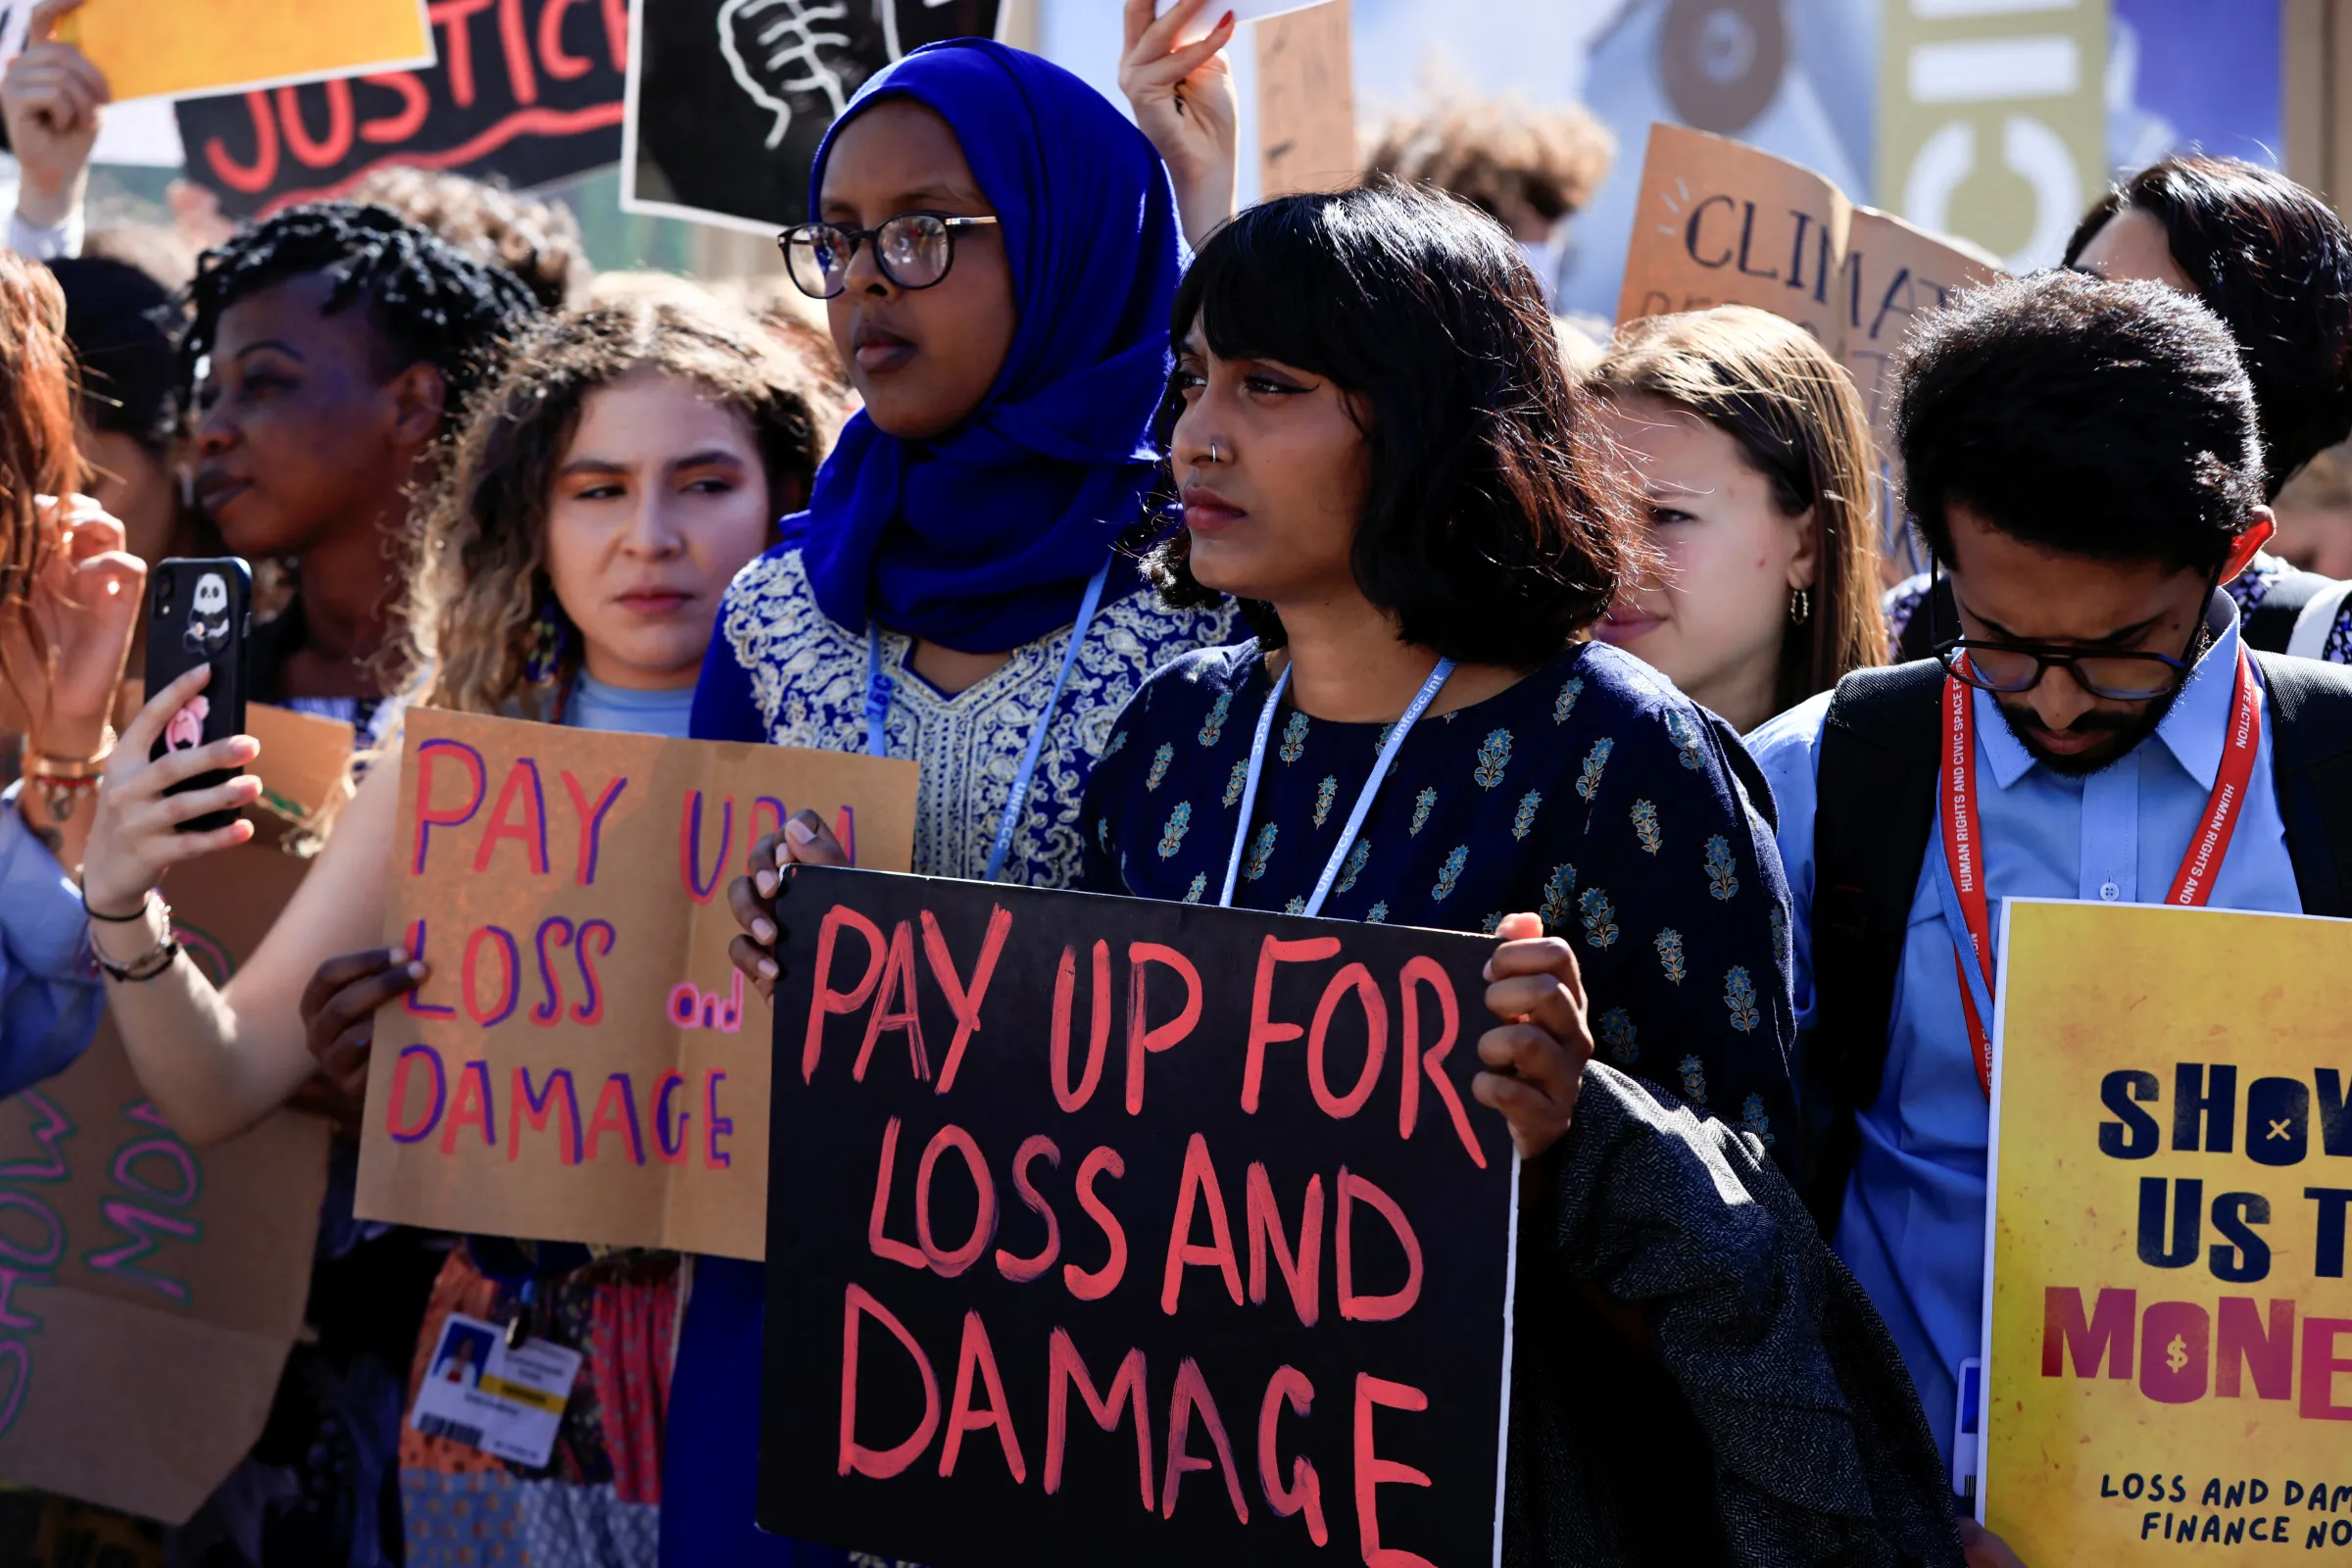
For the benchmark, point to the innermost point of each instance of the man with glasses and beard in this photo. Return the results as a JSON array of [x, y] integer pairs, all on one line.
[[2082, 460]]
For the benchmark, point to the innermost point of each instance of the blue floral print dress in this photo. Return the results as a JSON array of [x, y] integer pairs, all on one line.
[[1591, 792]]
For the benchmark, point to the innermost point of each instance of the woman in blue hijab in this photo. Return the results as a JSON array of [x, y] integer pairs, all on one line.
[[997, 249]]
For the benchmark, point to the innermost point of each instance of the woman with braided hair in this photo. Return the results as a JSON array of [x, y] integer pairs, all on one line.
[[330, 352]]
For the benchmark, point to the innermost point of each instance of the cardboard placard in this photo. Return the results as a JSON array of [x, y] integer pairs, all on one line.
[[1108, 1230], [1719, 222], [150, 1290], [1307, 101], [166, 48], [728, 99], [2169, 1325], [527, 91], [585, 1063]]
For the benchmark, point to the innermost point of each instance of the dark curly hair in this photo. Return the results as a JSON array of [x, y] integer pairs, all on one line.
[[2275, 263], [2111, 421], [1486, 531], [429, 300]]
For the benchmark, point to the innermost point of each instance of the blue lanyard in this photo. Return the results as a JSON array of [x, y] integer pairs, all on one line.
[[877, 713], [1364, 796]]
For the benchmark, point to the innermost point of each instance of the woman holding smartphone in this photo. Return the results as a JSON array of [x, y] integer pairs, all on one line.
[[615, 476]]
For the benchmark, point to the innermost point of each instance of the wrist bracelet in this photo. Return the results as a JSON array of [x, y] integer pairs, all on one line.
[[47, 765], [144, 967], [60, 795], [147, 965], [140, 913]]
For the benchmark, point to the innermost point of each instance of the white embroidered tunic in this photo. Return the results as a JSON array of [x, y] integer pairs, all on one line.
[[798, 678]]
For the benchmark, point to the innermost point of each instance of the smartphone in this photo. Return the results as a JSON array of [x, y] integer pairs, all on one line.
[[200, 612]]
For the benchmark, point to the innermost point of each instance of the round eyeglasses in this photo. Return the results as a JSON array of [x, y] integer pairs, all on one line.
[[913, 250], [2006, 669]]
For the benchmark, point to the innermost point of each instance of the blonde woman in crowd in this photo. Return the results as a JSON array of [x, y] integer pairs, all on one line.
[[1747, 447]]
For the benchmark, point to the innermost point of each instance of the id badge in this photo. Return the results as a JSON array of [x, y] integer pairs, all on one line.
[[507, 1401]]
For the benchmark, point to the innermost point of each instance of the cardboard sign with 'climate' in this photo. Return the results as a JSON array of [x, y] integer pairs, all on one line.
[[1108, 1230], [1719, 222]]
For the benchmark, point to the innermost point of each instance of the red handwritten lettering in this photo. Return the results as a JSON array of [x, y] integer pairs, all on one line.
[[947, 1263], [976, 1354], [823, 999], [897, 980], [1263, 1030], [1375, 1308], [962, 1000], [854, 1457], [1373, 1472], [1066, 980], [1304, 1492], [1301, 1270], [1021, 1270], [1420, 970], [1192, 1394], [1143, 1041], [1199, 1186], [1093, 1286], [1064, 1370]]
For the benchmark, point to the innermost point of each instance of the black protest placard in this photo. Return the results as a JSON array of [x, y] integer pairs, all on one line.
[[728, 99], [1108, 1230], [527, 91]]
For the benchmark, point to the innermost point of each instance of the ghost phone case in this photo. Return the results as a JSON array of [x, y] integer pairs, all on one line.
[[200, 612]]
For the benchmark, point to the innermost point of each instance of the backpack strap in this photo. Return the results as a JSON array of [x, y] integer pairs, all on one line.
[[2318, 620], [1875, 789], [2311, 769], [2269, 626]]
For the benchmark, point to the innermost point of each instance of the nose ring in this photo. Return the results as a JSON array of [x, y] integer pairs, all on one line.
[[1213, 457]]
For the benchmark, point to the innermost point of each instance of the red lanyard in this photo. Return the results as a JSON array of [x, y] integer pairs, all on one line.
[[1963, 843]]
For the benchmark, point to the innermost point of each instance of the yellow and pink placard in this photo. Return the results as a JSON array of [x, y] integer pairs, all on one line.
[[2168, 1351]]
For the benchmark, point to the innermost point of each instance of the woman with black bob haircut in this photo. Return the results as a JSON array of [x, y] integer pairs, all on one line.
[[1377, 453]]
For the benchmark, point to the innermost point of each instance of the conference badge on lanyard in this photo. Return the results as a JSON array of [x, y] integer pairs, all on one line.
[[1964, 845]]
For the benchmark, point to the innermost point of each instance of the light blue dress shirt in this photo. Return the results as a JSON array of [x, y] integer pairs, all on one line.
[[1913, 1225], [49, 994]]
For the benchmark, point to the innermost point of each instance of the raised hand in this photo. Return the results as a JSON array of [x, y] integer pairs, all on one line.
[[338, 1022], [87, 608], [1536, 1055], [136, 838], [50, 97], [805, 840], [1183, 101]]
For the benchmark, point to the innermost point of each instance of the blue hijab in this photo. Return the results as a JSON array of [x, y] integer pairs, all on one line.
[[984, 538]]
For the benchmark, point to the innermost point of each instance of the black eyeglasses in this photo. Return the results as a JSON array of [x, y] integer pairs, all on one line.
[[913, 250], [2007, 668]]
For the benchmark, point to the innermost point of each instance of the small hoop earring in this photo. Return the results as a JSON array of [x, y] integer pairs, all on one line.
[[1800, 606]]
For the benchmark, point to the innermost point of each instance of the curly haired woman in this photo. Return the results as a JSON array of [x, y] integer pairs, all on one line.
[[625, 465]]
